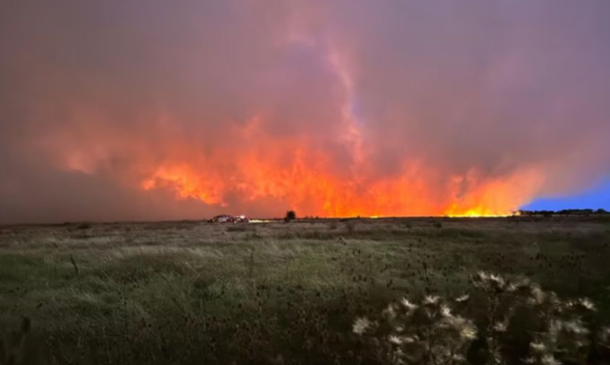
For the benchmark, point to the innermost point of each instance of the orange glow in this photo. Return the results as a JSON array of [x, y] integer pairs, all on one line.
[[269, 159], [307, 181], [496, 198], [475, 213], [186, 183]]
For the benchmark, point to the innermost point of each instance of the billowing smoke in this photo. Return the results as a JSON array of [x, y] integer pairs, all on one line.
[[115, 110]]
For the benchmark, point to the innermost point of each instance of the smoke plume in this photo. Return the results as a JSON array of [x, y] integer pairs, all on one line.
[[119, 110]]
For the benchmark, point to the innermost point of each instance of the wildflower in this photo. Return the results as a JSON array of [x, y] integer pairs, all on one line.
[[361, 325]]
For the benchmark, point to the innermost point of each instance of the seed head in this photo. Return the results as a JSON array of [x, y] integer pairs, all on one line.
[[361, 325]]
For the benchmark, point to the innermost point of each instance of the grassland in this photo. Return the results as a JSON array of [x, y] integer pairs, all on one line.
[[273, 293]]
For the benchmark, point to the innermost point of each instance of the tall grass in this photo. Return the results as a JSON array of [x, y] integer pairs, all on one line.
[[197, 293]]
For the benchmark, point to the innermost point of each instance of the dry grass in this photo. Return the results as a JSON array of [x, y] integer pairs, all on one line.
[[194, 292]]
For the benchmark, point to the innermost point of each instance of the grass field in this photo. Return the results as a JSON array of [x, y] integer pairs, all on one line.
[[271, 293]]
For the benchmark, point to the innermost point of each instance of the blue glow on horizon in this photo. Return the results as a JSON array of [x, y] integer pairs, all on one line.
[[597, 197]]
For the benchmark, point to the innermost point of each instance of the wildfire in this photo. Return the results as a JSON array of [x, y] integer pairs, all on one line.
[[310, 186], [475, 213], [186, 183]]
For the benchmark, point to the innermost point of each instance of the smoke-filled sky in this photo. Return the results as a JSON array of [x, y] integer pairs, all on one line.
[[137, 110]]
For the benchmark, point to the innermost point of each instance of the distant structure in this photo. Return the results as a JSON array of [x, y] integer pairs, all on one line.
[[225, 218]]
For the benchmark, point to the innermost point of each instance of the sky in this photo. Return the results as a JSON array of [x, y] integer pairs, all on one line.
[[149, 110], [595, 197]]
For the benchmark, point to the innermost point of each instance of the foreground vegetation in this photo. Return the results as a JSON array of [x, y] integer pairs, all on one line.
[[298, 292]]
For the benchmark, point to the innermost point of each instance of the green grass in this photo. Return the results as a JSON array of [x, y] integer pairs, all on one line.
[[200, 293]]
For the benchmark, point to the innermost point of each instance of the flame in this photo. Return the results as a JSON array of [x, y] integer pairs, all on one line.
[[256, 169], [186, 183], [496, 198], [478, 212], [309, 184]]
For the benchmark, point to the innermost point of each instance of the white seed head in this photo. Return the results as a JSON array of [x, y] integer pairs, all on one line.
[[537, 296], [462, 298], [361, 325], [408, 304], [395, 340], [585, 302], [501, 326], [538, 346], [576, 327], [431, 299], [549, 359], [468, 332], [390, 312]]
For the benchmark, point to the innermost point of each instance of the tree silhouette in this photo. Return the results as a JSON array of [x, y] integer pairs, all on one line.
[[290, 215]]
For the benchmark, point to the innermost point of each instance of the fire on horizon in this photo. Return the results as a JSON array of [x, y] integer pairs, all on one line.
[[116, 110]]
